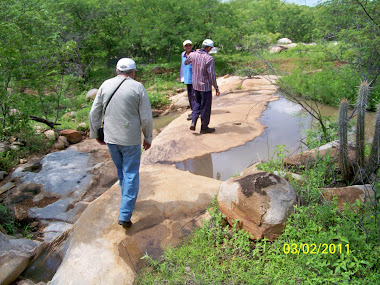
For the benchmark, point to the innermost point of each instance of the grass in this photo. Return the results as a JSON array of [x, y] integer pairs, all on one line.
[[220, 254], [321, 244], [321, 73]]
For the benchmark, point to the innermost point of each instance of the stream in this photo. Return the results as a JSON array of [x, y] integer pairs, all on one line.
[[286, 124]]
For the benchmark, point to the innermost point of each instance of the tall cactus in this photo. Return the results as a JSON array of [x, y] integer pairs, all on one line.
[[343, 143], [360, 126], [364, 171], [374, 157]]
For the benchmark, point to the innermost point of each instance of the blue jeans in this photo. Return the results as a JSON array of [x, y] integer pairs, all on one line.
[[127, 162]]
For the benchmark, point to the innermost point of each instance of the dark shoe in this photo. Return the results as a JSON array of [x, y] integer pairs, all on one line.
[[207, 130], [189, 117], [192, 127], [125, 224]]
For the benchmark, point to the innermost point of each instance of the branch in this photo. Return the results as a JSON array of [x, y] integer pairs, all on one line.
[[368, 15], [41, 120], [374, 80]]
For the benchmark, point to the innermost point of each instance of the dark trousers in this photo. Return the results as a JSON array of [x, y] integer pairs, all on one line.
[[202, 107], [190, 95]]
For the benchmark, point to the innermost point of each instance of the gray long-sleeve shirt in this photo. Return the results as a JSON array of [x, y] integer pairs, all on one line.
[[128, 112]]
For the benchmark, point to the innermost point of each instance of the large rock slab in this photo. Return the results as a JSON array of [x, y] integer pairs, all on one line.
[[15, 256], [350, 194], [228, 84], [261, 201], [102, 252], [309, 157], [54, 189], [180, 100], [235, 117]]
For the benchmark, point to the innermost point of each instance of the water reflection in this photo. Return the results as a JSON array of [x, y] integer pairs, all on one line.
[[285, 123], [200, 166]]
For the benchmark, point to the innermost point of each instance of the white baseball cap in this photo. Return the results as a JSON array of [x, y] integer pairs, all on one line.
[[125, 64], [208, 43], [187, 42]]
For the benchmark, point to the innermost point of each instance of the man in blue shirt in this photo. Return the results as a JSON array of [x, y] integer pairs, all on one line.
[[186, 72]]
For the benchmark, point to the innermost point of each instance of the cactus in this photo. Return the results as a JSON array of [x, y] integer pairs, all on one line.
[[343, 143], [360, 126], [374, 157], [365, 168]]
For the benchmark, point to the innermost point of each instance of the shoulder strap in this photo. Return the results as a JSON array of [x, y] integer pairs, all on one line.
[[113, 94]]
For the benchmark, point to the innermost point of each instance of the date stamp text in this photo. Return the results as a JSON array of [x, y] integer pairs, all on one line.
[[313, 248]]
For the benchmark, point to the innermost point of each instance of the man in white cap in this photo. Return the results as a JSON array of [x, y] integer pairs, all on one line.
[[126, 112], [204, 78], [186, 73]]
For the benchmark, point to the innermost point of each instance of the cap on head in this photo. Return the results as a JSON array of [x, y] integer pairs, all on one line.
[[125, 64], [187, 42], [208, 43]]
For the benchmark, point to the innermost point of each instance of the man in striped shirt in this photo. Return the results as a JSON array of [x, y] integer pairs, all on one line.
[[203, 79]]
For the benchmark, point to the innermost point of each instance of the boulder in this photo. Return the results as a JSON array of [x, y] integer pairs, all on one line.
[[50, 134], [64, 140], [275, 49], [71, 114], [15, 256], [4, 147], [82, 127], [180, 100], [289, 46], [350, 194], [2, 175], [20, 212], [284, 41], [261, 201], [58, 145], [72, 136], [91, 94], [16, 145]]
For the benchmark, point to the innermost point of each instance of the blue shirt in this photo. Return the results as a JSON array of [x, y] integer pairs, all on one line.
[[186, 70]]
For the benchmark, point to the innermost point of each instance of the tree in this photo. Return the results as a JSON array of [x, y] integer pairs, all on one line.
[[355, 23], [23, 43]]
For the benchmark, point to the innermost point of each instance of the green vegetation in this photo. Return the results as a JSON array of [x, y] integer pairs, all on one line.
[[321, 243], [52, 52], [11, 227], [362, 169], [220, 254]]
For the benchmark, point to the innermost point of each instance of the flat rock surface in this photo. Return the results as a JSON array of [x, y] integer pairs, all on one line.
[[102, 252], [234, 116]]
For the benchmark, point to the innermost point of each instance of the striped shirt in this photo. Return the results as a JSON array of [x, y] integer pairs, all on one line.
[[203, 70]]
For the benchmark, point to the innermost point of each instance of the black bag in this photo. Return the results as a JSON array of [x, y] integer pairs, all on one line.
[[101, 134], [101, 129]]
